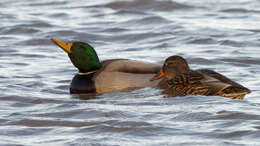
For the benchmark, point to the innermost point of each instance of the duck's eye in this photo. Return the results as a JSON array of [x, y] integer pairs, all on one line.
[[82, 47], [169, 63]]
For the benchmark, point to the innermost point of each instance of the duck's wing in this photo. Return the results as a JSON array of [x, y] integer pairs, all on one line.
[[222, 78], [130, 66], [234, 90]]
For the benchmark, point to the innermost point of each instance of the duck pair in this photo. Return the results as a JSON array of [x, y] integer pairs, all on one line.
[[175, 77]]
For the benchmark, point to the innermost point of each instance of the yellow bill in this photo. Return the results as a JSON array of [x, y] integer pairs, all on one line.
[[65, 46]]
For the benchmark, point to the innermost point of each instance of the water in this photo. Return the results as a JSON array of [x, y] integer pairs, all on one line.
[[37, 109]]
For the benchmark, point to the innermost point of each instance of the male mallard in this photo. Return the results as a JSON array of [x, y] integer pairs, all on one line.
[[182, 81], [110, 75]]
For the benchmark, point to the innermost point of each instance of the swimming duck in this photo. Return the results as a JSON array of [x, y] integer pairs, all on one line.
[[95, 76], [182, 81]]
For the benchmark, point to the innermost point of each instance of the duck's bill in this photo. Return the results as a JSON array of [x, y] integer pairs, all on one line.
[[158, 76], [65, 46]]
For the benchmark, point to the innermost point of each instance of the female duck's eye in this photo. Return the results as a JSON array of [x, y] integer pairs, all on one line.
[[169, 63]]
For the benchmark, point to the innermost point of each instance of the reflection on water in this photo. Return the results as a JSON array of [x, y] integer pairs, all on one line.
[[37, 109]]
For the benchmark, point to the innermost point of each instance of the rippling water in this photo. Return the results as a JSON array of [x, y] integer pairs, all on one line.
[[37, 109]]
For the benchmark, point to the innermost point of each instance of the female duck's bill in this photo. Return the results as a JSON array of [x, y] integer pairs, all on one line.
[[158, 76]]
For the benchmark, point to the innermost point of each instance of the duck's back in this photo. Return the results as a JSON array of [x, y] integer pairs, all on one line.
[[194, 83]]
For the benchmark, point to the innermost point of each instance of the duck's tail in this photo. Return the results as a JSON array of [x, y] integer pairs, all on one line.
[[234, 92]]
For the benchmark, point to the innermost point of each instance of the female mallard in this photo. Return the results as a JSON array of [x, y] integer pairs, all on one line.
[[110, 75], [182, 81]]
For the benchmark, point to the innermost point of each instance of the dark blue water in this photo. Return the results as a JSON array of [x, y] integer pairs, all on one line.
[[37, 109]]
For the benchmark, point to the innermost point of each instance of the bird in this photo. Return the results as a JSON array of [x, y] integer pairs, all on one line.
[[95, 76], [180, 80]]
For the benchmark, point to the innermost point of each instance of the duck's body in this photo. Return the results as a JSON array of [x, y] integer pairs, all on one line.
[[181, 81], [116, 74], [110, 75], [201, 83]]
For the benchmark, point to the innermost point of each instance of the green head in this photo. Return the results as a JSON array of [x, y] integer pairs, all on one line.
[[82, 55]]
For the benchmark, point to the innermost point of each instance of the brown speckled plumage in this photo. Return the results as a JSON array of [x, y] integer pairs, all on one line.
[[182, 81]]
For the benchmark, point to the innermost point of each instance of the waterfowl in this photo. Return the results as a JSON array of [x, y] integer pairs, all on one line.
[[181, 81], [95, 76]]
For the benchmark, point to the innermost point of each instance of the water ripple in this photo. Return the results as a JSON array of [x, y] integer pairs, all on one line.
[[35, 74], [145, 5]]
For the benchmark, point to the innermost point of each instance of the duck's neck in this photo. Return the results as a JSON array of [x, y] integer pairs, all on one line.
[[87, 73]]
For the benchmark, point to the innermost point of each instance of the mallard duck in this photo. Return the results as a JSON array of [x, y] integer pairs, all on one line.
[[106, 76], [181, 81]]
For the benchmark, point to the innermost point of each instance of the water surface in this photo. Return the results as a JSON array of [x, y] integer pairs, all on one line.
[[37, 109]]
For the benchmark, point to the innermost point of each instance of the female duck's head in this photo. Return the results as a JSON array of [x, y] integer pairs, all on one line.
[[172, 67], [82, 55]]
